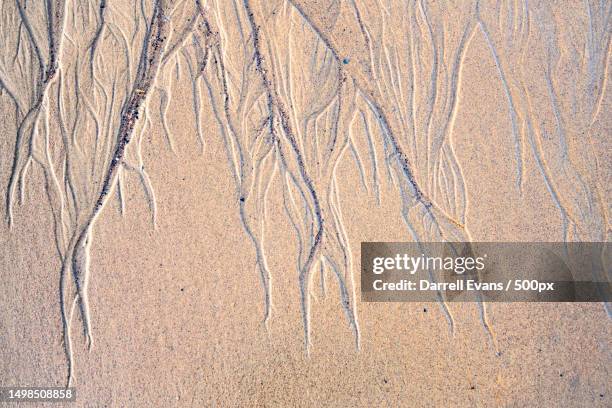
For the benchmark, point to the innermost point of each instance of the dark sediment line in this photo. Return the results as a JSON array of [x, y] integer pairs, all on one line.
[[239, 178], [78, 250], [274, 102], [55, 22], [403, 160], [147, 71]]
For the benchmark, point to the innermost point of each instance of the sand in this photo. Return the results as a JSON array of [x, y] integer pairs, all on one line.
[[186, 186]]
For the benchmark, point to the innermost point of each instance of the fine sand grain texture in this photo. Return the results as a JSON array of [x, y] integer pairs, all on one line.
[[186, 184]]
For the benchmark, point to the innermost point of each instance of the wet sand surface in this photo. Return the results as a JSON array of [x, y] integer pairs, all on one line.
[[186, 186]]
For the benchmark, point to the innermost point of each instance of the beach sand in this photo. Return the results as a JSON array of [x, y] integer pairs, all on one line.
[[196, 267]]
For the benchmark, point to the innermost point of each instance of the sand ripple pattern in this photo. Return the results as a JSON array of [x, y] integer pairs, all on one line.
[[294, 92]]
